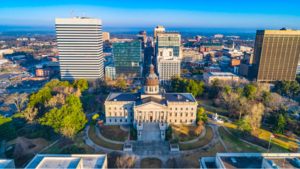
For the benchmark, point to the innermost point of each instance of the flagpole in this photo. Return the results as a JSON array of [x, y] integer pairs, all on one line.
[[269, 143]]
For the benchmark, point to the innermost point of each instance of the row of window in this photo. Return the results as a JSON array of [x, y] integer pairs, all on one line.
[[121, 114], [125, 108]]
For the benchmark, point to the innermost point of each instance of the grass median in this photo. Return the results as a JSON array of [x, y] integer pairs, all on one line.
[[94, 137], [205, 140]]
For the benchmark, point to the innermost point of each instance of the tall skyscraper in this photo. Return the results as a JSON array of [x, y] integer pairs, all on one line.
[[127, 58], [158, 29], [79, 43], [167, 65], [105, 36], [276, 55], [169, 40]]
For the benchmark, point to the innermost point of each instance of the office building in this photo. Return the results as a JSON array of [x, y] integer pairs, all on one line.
[[189, 55], [169, 40], [110, 71], [251, 160], [127, 56], [212, 46], [79, 43], [223, 76], [276, 55], [167, 65], [151, 107], [212, 69], [68, 161], [105, 36]]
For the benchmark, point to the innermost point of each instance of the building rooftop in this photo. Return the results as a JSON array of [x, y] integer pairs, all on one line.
[[171, 97], [242, 162], [220, 74], [5, 162], [67, 161], [288, 162], [211, 44]]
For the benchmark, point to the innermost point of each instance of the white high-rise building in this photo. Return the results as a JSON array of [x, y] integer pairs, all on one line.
[[167, 65], [80, 49]]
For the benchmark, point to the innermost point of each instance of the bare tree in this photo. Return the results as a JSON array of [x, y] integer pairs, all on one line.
[[17, 99], [255, 115], [230, 101], [68, 132], [182, 162], [77, 93], [126, 162], [30, 114]]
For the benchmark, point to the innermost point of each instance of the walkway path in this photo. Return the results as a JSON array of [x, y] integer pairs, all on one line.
[[207, 146], [197, 139], [2, 153], [105, 139], [152, 149], [97, 148]]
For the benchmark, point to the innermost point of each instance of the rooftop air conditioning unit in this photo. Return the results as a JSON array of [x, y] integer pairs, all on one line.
[[233, 160]]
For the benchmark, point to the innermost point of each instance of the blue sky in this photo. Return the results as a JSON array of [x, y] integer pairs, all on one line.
[[253, 14]]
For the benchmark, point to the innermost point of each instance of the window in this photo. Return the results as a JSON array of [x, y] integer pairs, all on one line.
[[120, 114], [162, 117], [140, 117], [115, 120], [170, 121], [175, 108], [126, 120], [170, 53], [192, 108], [192, 114], [120, 108], [115, 108], [170, 108], [175, 121], [115, 114], [131, 114], [180, 121], [109, 120], [170, 114], [131, 120], [186, 121], [125, 108], [180, 114], [176, 114], [181, 108], [191, 120], [109, 108], [187, 114], [187, 108], [120, 120], [130, 108]]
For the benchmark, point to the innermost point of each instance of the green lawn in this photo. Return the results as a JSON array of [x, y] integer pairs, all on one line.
[[113, 132], [187, 133], [278, 145], [205, 140], [151, 163], [234, 145], [94, 137], [78, 140]]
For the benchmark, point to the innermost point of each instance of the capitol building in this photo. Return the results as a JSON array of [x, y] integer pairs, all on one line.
[[150, 106]]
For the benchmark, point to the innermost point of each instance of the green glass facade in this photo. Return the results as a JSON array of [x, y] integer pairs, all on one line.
[[169, 42], [127, 58]]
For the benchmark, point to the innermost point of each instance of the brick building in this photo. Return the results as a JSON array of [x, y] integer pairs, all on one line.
[[44, 72], [212, 69]]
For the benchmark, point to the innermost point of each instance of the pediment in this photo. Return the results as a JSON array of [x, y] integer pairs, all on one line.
[[151, 105]]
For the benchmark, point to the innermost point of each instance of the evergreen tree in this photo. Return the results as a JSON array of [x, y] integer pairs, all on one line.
[[7, 130], [279, 126]]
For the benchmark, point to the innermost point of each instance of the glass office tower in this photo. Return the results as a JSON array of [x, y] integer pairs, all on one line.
[[169, 40], [127, 58], [276, 55]]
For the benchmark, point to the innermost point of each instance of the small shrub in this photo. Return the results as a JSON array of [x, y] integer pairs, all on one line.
[[226, 121], [125, 138]]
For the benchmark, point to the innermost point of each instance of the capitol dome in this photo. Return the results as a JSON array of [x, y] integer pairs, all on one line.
[[152, 82]]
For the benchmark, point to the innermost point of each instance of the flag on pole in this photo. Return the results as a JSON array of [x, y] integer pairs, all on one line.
[[271, 136]]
